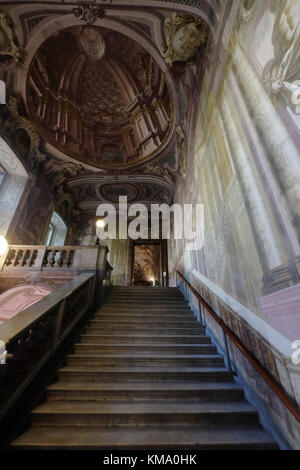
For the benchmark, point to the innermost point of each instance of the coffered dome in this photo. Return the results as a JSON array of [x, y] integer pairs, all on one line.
[[99, 97]]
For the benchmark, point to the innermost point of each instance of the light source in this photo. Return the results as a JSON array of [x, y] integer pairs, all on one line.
[[100, 223], [3, 245]]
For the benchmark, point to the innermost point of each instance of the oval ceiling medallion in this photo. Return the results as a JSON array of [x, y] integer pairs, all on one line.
[[92, 43]]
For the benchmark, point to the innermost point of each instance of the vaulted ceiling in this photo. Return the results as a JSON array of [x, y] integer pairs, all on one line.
[[100, 97], [106, 87]]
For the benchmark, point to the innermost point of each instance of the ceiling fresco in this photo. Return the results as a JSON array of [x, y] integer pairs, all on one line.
[[99, 97], [101, 111]]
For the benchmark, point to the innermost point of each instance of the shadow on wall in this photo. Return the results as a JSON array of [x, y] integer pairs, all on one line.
[[19, 298]]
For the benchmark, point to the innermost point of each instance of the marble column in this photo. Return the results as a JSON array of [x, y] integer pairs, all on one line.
[[260, 217], [282, 153]]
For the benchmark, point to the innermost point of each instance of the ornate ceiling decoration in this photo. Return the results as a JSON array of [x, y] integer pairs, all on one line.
[[111, 114], [89, 192], [99, 97], [88, 13], [185, 35], [112, 192], [9, 50]]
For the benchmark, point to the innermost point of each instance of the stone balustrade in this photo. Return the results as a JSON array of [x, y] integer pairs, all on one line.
[[41, 258]]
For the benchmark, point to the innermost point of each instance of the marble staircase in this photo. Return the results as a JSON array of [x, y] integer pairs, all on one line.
[[144, 376]]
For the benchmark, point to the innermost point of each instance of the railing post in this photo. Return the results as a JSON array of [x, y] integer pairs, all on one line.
[[227, 353], [59, 320], [91, 294], [201, 313], [184, 288]]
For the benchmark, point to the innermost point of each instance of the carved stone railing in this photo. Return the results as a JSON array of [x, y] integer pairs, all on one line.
[[34, 335], [41, 258]]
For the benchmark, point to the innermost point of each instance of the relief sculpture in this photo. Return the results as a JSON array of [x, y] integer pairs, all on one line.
[[184, 36]]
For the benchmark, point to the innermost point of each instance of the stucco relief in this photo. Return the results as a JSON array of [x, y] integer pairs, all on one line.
[[20, 122], [184, 36]]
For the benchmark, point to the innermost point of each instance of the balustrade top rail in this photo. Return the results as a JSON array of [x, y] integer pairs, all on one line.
[[40, 257], [265, 374], [15, 326]]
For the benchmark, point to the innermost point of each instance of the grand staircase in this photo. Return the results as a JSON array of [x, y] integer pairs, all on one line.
[[144, 376]]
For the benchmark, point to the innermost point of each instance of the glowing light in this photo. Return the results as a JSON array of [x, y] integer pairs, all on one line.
[[100, 223], [3, 245]]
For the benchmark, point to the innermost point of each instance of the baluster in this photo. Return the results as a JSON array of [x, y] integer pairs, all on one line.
[[26, 258], [65, 258], [71, 257], [33, 257], [10, 257], [18, 257], [50, 258], [57, 258]]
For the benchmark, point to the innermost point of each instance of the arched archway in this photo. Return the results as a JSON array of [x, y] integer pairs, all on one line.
[[18, 298]]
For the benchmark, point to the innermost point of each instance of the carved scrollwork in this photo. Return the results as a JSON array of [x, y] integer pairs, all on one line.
[[88, 13], [8, 46], [184, 36], [22, 123]]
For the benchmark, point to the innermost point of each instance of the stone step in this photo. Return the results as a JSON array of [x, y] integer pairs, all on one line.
[[144, 323], [153, 349], [208, 437], [116, 316], [143, 308], [139, 296], [143, 374], [142, 360], [145, 298], [136, 391], [130, 330], [143, 289], [145, 312], [145, 339], [147, 303], [93, 414]]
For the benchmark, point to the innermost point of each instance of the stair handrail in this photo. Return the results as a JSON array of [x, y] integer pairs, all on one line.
[[265, 374]]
